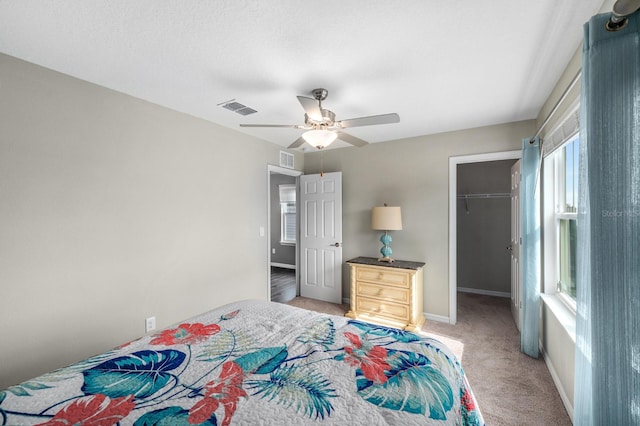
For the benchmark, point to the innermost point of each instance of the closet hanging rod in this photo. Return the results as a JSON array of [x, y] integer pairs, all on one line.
[[492, 195]]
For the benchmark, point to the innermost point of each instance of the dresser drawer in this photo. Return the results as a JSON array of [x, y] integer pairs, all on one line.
[[387, 276], [377, 308], [385, 292]]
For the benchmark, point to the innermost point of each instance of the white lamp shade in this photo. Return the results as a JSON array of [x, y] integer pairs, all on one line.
[[319, 138], [387, 218]]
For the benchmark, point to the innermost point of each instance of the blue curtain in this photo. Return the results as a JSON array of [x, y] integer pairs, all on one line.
[[607, 370], [530, 251]]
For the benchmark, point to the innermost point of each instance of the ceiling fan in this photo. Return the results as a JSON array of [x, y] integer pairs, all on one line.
[[322, 127]]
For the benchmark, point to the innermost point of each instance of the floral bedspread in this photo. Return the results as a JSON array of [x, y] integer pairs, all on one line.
[[251, 363]]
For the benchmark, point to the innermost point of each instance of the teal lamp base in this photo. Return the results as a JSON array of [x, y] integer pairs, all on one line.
[[386, 251]]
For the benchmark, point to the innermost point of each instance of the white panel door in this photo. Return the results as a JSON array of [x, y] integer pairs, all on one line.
[[321, 237], [514, 247]]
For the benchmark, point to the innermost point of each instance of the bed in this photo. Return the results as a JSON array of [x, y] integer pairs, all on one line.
[[251, 363]]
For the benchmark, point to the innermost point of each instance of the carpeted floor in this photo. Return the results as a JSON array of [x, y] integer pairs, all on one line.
[[511, 388]]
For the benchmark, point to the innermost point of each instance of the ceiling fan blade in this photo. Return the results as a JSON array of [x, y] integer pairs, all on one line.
[[297, 143], [311, 107], [371, 120], [292, 126], [352, 139]]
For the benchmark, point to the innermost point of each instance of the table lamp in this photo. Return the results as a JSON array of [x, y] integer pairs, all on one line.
[[386, 218]]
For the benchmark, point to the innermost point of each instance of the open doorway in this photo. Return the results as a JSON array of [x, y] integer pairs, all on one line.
[[454, 206], [282, 233], [484, 227]]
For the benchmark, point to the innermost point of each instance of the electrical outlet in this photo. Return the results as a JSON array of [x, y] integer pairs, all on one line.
[[273, 251], [149, 324]]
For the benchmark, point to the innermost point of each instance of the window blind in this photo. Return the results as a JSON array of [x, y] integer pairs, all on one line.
[[287, 193], [565, 130]]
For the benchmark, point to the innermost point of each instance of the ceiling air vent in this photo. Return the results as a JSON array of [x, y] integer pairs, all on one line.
[[286, 160], [237, 107]]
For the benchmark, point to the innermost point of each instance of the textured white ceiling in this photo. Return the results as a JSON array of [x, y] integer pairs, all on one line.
[[441, 65]]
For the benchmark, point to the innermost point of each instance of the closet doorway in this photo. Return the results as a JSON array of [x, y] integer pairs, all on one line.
[[479, 225], [484, 228], [282, 233]]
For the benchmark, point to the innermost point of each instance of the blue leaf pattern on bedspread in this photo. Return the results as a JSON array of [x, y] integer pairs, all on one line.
[[171, 416], [263, 361], [140, 374], [394, 333], [413, 385]]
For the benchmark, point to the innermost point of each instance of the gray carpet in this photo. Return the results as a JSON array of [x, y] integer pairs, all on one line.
[[511, 388]]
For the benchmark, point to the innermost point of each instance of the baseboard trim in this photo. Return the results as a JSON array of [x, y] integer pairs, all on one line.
[[484, 292], [437, 318], [283, 265], [556, 381]]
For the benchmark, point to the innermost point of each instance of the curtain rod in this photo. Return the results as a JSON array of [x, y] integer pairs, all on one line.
[[621, 9], [557, 105]]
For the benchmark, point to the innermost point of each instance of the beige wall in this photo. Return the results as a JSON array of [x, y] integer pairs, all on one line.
[[414, 174], [113, 210]]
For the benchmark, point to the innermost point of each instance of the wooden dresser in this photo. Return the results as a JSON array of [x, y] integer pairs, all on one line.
[[388, 294]]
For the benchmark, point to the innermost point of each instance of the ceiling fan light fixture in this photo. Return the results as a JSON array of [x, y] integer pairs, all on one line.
[[319, 138], [322, 126]]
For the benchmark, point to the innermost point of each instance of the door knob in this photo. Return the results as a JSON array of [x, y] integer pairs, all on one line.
[[509, 247], [336, 244]]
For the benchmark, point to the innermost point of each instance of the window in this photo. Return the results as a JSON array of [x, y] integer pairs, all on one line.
[[287, 214], [564, 217]]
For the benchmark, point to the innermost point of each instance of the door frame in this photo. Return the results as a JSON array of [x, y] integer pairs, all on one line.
[[282, 171], [516, 231], [453, 225]]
